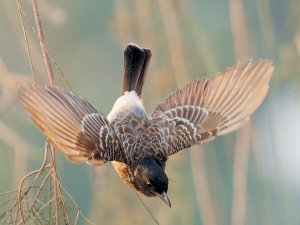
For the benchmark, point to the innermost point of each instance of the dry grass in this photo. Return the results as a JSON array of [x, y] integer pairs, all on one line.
[[41, 199]]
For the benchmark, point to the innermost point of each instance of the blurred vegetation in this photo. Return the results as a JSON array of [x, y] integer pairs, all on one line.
[[250, 177]]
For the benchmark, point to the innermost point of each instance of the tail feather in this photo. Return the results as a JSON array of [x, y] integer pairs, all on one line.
[[140, 83], [136, 61]]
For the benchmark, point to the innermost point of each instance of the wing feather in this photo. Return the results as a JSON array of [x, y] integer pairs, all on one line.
[[215, 106], [72, 124]]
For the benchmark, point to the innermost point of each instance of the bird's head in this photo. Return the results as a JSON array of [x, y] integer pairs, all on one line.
[[151, 180]]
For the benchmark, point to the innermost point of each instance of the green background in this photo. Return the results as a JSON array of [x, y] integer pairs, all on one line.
[[228, 181]]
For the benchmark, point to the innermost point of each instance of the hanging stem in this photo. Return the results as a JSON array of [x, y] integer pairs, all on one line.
[[52, 81], [26, 41], [42, 43]]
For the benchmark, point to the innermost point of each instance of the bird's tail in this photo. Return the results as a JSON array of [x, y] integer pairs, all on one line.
[[136, 61]]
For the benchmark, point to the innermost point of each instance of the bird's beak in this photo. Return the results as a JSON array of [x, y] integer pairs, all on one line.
[[165, 198]]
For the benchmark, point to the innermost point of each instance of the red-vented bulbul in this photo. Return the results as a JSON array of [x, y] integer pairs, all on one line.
[[137, 144]]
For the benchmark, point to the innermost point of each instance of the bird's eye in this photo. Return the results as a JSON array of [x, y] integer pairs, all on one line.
[[149, 185]]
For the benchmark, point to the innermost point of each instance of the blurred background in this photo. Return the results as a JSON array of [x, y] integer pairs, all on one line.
[[248, 177]]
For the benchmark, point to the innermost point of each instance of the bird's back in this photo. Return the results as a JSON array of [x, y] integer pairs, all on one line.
[[128, 116]]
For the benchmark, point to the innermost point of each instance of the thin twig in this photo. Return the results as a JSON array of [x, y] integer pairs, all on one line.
[[52, 78], [52, 81], [52, 157], [47, 51], [39, 191], [39, 171], [40, 210], [56, 184], [57, 196], [27, 43], [146, 207], [74, 202]]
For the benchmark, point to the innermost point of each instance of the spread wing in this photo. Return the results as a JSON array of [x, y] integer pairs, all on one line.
[[214, 106], [72, 124]]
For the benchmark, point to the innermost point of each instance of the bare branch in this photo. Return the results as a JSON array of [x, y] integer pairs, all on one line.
[[52, 78]]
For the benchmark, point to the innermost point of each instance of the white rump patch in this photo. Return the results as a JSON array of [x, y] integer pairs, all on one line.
[[129, 102]]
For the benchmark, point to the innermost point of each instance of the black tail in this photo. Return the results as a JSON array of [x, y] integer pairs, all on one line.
[[136, 61]]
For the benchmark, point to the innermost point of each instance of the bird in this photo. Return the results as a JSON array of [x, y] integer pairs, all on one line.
[[139, 144]]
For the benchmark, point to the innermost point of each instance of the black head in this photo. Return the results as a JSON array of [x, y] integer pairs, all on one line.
[[151, 180]]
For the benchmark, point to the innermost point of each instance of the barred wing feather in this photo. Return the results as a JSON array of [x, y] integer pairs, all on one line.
[[72, 124], [214, 106]]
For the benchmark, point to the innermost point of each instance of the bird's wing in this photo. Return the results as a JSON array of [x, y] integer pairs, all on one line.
[[72, 124], [210, 107]]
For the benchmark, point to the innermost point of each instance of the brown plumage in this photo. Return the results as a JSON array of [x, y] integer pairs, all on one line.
[[139, 145]]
